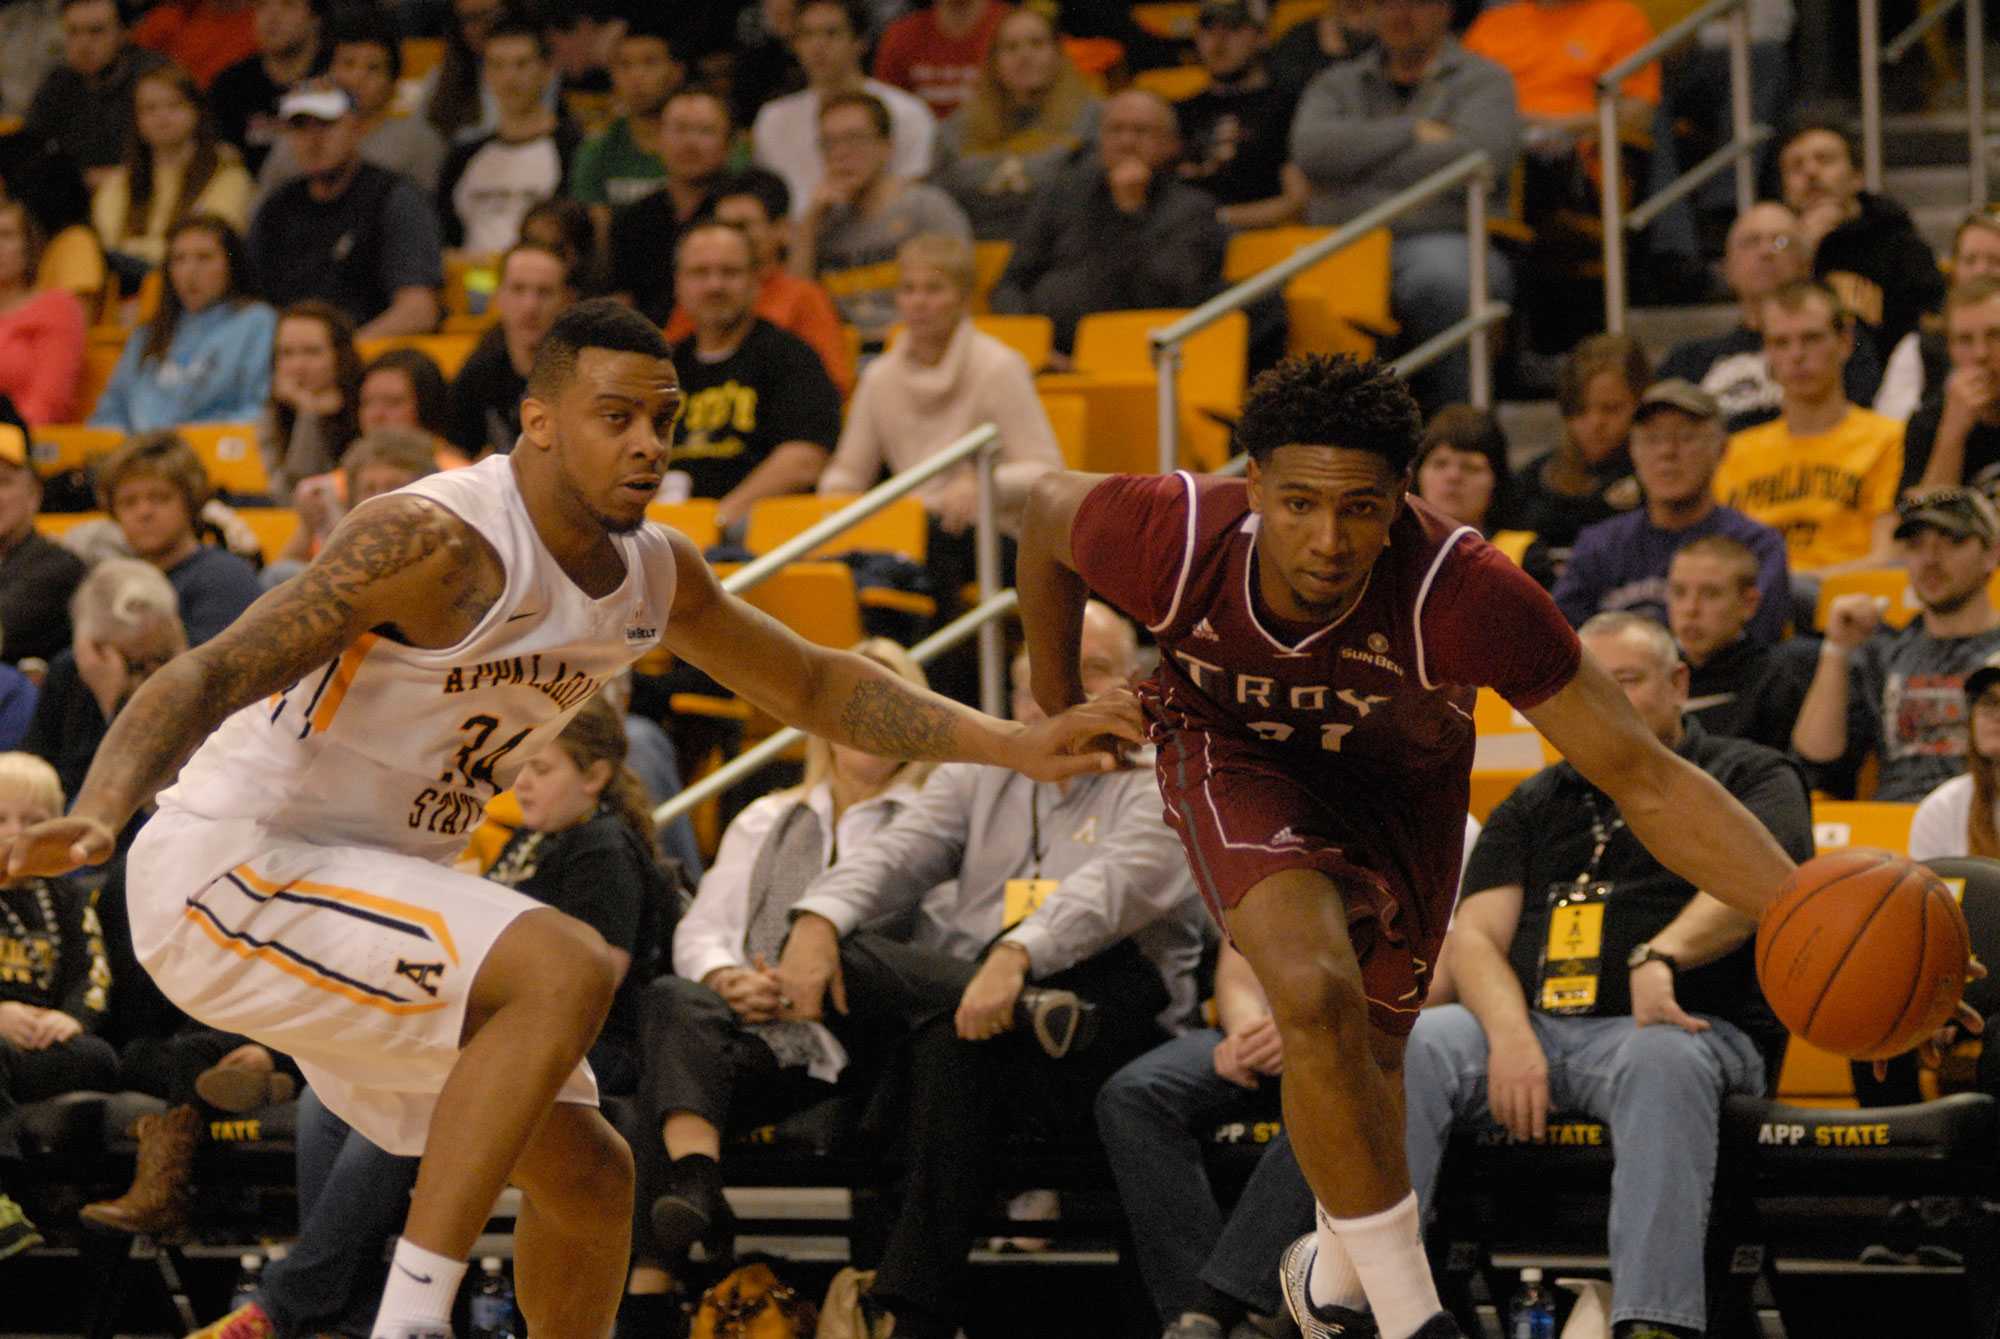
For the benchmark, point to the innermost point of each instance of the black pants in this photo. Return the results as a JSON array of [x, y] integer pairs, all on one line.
[[166, 1067], [82, 1063]]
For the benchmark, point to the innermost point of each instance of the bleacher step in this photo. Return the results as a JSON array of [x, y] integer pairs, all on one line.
[[1660, 328]]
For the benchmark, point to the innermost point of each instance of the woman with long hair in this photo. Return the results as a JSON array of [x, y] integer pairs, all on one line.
[[403, 388], [315, 395], [1028, 116], [174, 166], [1959, 817], [205, 357], [1461, 467], [41, 331], [1588, 476]]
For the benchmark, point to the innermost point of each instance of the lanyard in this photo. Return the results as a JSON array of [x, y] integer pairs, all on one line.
[[1601, 834], [1035, 826]]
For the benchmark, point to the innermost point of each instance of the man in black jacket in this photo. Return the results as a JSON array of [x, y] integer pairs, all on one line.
[[1738, 687]]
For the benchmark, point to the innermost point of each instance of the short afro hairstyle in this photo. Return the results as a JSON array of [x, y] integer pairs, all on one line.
[[600, 323], [1319, 399]]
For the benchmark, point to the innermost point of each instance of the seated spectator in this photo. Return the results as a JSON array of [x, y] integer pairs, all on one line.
[[37, 575], [18, 695], [381, 460], [1959, 817], [694, 144], [1461, 468], [1825, 473], [1918, 368], [1955, 437], [564, 226], [828, 38], [1373, 126], [491, 180], [1765, 251], [205, 357], [403, 388], [1621, 564], [1234, 132], [290, 49], [761, 414], [41, 330], [453, 94], [315, 396], [937, 53], [347, 231], [757, 205], [1863, 245], [126, 623], [1587, 478], [650, 754], [1900, 694], [1739, 686], [203, 37], [622, 162], [54, 993], [1672, 962], [154, 487], [85, 104], [1118, 231], [862, 212], [1341, 31], [1079, 887], [485, 413], [1023, 122], [367, 65], [714, 1056]]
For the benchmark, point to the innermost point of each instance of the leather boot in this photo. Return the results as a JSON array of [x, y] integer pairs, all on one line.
[[158, 1202]]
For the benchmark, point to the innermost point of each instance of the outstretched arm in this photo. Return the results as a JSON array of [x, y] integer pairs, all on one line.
[[398, 560], [1052, 594], [849, 699]]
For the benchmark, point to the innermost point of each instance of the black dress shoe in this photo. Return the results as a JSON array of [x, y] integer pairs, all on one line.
[[1058, 1020]]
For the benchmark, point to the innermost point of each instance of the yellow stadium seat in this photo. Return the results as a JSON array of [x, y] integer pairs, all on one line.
[[449, 352], [1166, 18], [100, 360], [1811, 1077], [901, 527], [1514, 543], [1888, 583], [694, 518], [1289, 14], [1507, 744], [989, 262], [56, 447], [1213, 371], [274, 527], [421, 55], [1340, 305], [1121, 414], [1069, 419], [502, 819], [1033, 337], [229, 453], [1842, 823], [1173, 82], [815, 600], [54, 523], [1492, 785]]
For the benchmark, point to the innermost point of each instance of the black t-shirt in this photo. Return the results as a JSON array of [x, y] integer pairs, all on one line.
[[772, 390], [37, 577], [355, 250], [1556, 518], [1754, 691], [1296, 58], [1234, 145], [68, 724], [1982, 447], [646, 233], [1541, 836], [244, 102], [485, 409]]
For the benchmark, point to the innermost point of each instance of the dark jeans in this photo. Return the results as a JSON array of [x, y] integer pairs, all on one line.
[[82, 1063], [166, 1067]]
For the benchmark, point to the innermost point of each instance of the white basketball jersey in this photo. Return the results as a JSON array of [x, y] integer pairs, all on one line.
[[399, 748]]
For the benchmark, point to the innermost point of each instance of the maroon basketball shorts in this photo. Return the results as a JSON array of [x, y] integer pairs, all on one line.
[[1244, 814]]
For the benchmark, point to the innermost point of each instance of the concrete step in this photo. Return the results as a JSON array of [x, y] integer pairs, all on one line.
[[1532, 427], [1660, 328], [1942, 184]]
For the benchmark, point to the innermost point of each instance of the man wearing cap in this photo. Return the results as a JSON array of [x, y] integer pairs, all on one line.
[[1900, 693], [37, 575], [1622, 563], [1233, 133], [354, 234]]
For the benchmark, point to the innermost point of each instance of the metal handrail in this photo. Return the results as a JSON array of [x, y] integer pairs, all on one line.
[[1744, 139], [1474, 171], [979, 618], [982, 442], [1875, 53]]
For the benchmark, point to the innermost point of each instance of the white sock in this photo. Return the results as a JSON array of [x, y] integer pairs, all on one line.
[[1387, 1250], [422, 1286], [1333, 1281]]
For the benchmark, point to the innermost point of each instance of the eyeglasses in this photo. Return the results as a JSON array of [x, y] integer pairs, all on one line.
[[1779, 242]]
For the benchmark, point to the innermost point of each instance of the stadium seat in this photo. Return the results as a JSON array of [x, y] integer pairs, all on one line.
[[421, 55], [274, 527], [901, 527], [100, 359], [1340, 305], [57, 447], [229, 453], [1173, 82], [814, 599], [989, 262], [502, 818], [1888, 583], [1289, 14], [449, 352], [1514, 543], [694, 518], [1033, 337], [1166, 18], [1843, 823], [1121, 417], [1069, 418], [1213, 371], [57, 523]]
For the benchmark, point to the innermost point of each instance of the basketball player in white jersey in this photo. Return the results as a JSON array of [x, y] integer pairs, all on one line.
[[356, 721]]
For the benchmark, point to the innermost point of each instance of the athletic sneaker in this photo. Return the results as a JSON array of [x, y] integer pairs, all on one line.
[[248, 1321], [1327, 1322], [17, 1234]]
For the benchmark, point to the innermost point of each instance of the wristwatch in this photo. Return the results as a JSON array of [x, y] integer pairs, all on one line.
[[1645, 952]]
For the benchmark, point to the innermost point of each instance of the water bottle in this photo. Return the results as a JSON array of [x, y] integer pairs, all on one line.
[[249, 1281], [1532, 1313], [492, 1308]]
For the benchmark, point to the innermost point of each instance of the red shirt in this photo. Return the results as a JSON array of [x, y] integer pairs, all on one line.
[[200, 37], [916, 54]]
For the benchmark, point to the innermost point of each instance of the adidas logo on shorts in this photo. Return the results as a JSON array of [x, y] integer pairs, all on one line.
[[1204, 632]]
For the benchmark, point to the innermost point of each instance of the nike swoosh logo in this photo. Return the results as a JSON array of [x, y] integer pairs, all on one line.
[[1712, 700], [515, 618], [421, 1278]]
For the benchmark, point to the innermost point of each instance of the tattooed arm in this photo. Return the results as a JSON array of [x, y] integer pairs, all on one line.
[[388, 563], [848, 699]]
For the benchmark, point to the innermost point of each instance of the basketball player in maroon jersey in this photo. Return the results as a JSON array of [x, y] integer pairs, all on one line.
[[1322, 634]]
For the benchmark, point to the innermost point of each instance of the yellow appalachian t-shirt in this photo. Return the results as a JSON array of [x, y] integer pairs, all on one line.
[[1822, 493]]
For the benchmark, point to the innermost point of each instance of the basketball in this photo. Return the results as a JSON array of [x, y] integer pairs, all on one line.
[[1863, 954]]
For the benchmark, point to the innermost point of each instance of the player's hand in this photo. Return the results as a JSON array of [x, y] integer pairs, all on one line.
[[1086, 738], [1653, 1002], [1517, 1085], [1852, 619], [809, 970], [986, 1009], [59, 846], [1261, 1047], [1965, 1021]]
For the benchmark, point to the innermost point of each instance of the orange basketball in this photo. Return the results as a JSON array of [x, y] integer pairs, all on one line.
[[1863, 954]]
